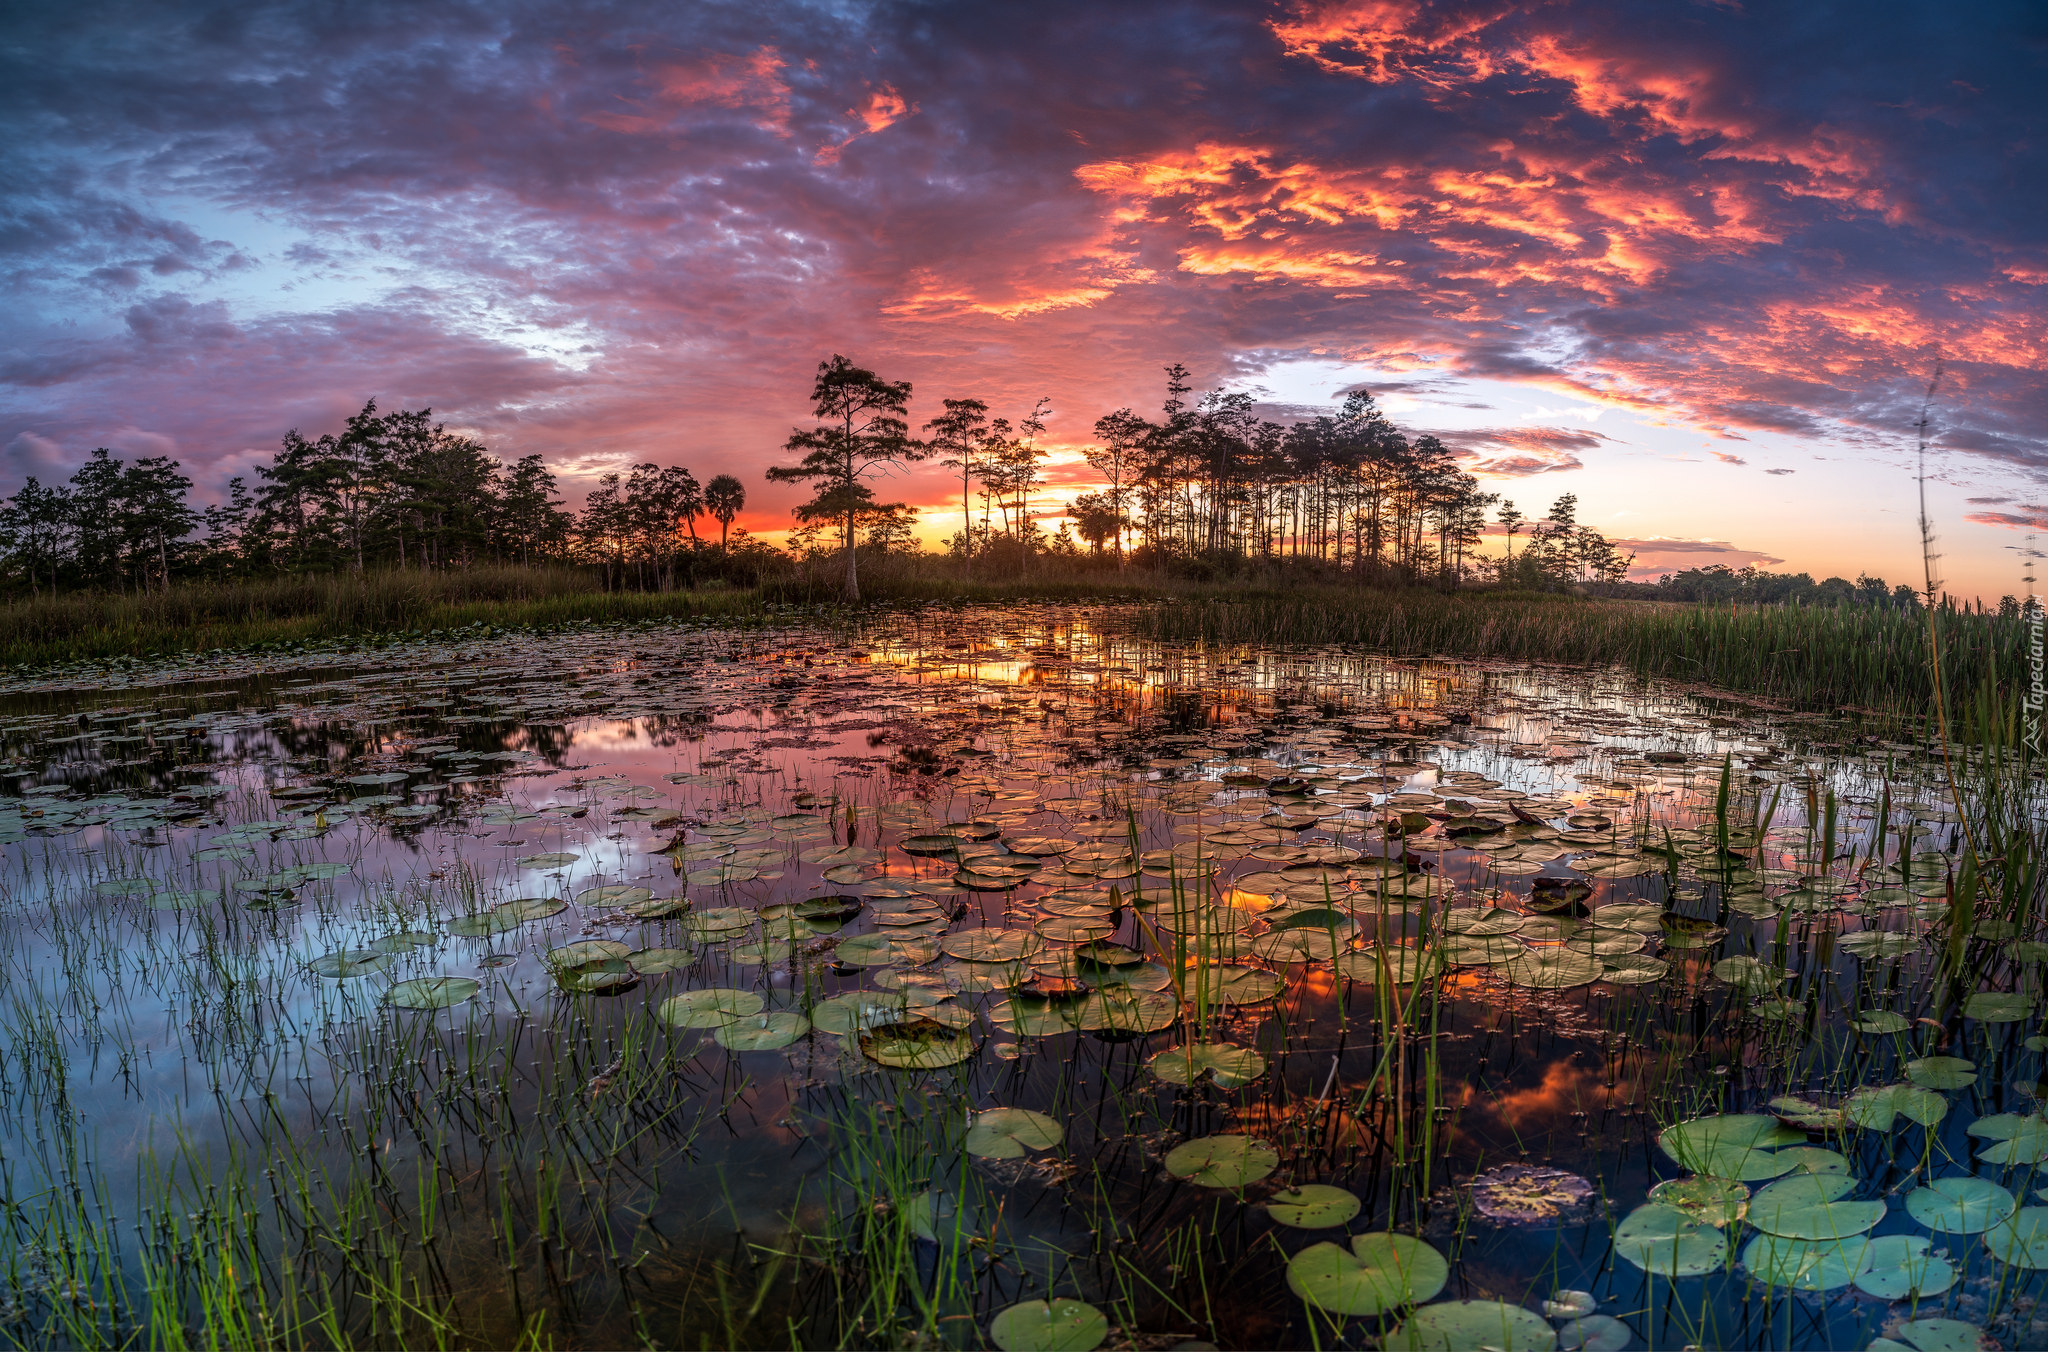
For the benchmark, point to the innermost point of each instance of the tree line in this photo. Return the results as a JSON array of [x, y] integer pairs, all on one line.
[[1207, 484], [389, 490]]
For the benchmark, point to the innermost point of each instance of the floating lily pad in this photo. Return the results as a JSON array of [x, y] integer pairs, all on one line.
[[2021, 1239], [1049, 1326], [1805, 1264], [348, 962], [1750, 975], [554, 859], [989, 945], [1231, 1066], [1594, 1333], [1942, 1072], [916, 1044], [1668, 1242], [1313, 1206], [1881, 1021], [1960, 1206], [1528, 1193], [2017, 1139], [1555, 969], [1008, 1133], [1708, 1200], [1998, 1007], [431, 992], [1934, 1335], [655, 961], [762, 1032], [1462, 1325], [1901, 1267], [616, 894], [1378, 1273], [713, 1007], [1731, 1145], [1812, 1206], [1878, 1108], [1222, 1161]]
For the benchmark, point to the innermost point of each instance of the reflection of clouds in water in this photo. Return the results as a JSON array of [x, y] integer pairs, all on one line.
[[1564, 1089]]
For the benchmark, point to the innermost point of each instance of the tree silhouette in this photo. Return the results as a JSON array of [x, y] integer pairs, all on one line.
[[725, 498], [861, 434]]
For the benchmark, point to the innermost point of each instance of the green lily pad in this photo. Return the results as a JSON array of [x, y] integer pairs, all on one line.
[[1594, 1333], [616, 894], [431, 992], [1901, 1267], [1742, 1146], [854, 1010], [1554, 969], [1881, 1021], [1222, 1161], [2019, 1139], [1942, 1072], [713, 1007], [762, 1032], [570, 956], [2021, 1239], [655, 961], [1230, 1065], [1749, 975], [1379, 1272], [988, 945], [348, 962], [1664, 1240], [1008, 1133], [1998, 1007], [1812, 1206], [1708, 1200], [1960, 1206], [553, 859], [916, 1044], [881, 950], [1934, 1335], [1632, 969], [1399, 966], [1462, 1325], [605, 974], [1049, 1326], [1805, 1264], [1313, 1206], [1876, 1109]]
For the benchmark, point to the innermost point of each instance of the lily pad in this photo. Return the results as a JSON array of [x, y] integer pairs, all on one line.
[[1901, 1267], [1960, 1206], [762, 1032], [1379, 1272], [1934, 1335], [1708, 1200], [1741, 1146], [1554, 969], [431, 992], [348, 962], [1008, 1133], [916, 1044], [1664, 1240], [1594, 1333], [2021, 1239], [2018, 1139], [1230, 1065], [1812, 1206], [1942, 1072], [1313, 1206], [1222, 1161], [1998, 1007], [1805, 1264], [713, 1007], [1462, 1325], [1878, 1108], [1049, 1326], [988, 945]]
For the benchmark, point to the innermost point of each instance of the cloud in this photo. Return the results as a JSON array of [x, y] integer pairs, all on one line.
[[1542, 450], [1781, 471], [632, 231], [1658, 555], [2030, 517], [1728, 459]]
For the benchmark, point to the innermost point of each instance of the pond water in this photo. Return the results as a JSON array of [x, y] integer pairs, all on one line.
[[876, 987]]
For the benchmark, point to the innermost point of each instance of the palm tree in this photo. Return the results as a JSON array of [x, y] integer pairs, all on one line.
[[725, 498]]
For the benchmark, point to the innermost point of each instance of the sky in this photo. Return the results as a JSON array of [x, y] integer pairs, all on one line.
[[1692, 262]]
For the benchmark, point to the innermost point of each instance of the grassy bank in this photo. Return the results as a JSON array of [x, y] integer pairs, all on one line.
[[1819, 658]]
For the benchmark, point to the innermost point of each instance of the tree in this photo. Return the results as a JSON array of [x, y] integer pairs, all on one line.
[[1124, 435], [35, 526], [959, 435], [154, 513], [725, 498], [1096, 519], [530, 517], [861, 434], [1511, 517]]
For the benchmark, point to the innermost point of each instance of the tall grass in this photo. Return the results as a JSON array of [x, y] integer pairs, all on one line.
[[1820, 657]]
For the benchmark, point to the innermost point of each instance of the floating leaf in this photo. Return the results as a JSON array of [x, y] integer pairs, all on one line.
[[431, 992], [1900, 1267], [762, 1032], [1594, 1333], [1462, 1325], [989, 945], [1881, 1021], [2021, 1239], [1708, 1200], [916, 1044], [1877, 1109], [1812, 1206], [1554, 969], [1666, 1241], [1998, 1007], [1749, 975], [1730, 1145], [1379, 1272], [348, 962], [713, 1007], [1934, 1335], [1805, 1264], [2020, 1139], [1313, 1206], [1942, 1072], [1049, 1326], [1522, 1192], [1960, 1206], [1230, 1065], [1007, 1133], [1222, 1161]]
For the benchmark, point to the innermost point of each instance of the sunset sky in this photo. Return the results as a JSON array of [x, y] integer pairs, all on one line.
[[1690, 261]]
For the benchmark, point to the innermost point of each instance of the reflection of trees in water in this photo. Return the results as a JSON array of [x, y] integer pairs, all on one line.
[[667, 730]]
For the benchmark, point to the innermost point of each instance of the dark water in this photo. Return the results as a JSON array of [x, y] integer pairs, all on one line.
[[715, 1078]]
